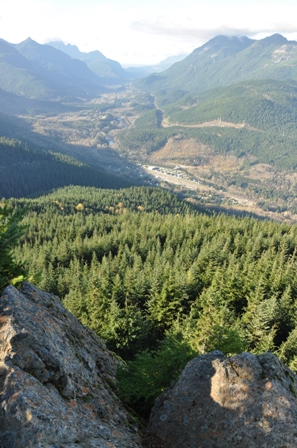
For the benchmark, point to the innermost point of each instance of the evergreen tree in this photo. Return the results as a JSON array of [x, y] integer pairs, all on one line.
[[11, 231]]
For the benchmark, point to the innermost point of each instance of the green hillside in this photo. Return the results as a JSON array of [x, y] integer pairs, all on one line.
[[26, 171], [224, 61], [262, 115], [71, 76], [20, 76]]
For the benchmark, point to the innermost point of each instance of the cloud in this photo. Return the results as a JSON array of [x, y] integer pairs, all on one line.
[[185, 33], [202, 24], [134, 31]]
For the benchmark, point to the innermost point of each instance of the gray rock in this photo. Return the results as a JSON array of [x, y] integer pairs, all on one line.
[[57, 379], [245, 401]]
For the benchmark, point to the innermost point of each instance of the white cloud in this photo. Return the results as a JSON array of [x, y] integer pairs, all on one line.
[[204, 22], [138, 31]]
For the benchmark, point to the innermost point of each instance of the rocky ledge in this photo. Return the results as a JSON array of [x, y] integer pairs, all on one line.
[[57, 379], [58, 390], [244, 401]]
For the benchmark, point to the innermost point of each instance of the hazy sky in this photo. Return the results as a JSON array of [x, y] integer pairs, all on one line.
[[138, 32]]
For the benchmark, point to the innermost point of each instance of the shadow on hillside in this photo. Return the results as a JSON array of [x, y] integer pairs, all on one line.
[[104, 158], [210, 210]]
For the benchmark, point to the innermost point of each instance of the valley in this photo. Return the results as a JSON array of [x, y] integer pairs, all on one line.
[[94, 134], [134, 200], [236, 140]]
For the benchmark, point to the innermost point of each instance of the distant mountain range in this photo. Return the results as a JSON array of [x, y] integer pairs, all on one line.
[[61, 72], [110, 69], [41, 72], [227, 60]]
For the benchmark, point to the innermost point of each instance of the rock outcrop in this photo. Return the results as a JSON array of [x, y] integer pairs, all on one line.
[[244, 401], [57, 379]]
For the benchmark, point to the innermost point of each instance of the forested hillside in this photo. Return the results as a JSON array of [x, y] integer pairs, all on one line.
[[42, 72], [256, 119], [225, 60], [138, 266], [241, 138], [25, 171]]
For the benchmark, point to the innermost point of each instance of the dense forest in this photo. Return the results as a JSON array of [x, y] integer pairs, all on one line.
[[264, 112], [25, 171], [156, 280]]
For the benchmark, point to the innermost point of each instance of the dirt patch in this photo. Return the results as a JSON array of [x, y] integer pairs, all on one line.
[[208, 124], [178, 148], [261, 171], [196, 154]]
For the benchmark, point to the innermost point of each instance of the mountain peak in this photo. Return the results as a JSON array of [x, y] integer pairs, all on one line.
[[223, 46], [231, 44], [223, 39], [69, 49], [274, 39], [28, 41]]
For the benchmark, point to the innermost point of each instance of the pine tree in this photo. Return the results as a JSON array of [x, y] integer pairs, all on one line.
[[11, 231]]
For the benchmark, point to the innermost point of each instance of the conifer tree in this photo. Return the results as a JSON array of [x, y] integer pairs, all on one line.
[[11, 231]]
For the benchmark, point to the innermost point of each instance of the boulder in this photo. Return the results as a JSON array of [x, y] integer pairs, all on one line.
[[57, 379], [246, 401]]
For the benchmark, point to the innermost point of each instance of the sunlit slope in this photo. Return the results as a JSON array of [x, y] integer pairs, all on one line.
[[255, 118], [227, 60]]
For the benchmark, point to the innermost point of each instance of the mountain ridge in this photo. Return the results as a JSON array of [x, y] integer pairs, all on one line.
[[109, 70], [37, 71], [225, 60]]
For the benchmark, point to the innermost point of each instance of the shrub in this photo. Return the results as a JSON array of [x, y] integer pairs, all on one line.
[[144, 378]]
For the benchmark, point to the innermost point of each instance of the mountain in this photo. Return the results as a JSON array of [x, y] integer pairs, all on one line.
[[168, 62], [41, 72], [110, 72], [28, 170], [71, 76], [227, 60], [22, 77]]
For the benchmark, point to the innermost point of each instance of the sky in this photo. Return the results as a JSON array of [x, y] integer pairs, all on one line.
[[143, 32]]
